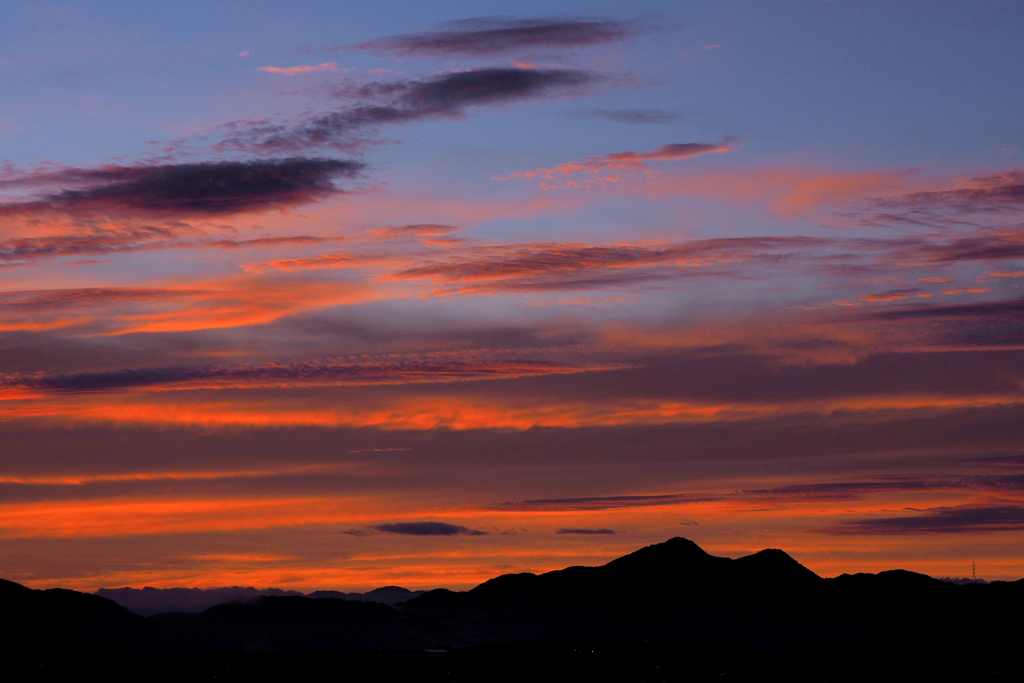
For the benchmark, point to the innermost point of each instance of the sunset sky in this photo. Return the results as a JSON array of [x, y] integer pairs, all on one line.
[[336, 295]]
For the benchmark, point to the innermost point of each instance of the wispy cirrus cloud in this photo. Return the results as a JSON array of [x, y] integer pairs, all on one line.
[[631, 116], [414, 231], [86, 296], [673, 151], [788, 191], [522, 267], [895, 295], [324, 261], [412, 368], [617, 166], [984, 324], [994, 192], [181, 190], [448, 95], [892, 198], [957, 519], [989, 309], [602, 502], [208, 304], [132, 239], [301, 69], [982, 244], [446, 265], [172, 475], [488, 36]]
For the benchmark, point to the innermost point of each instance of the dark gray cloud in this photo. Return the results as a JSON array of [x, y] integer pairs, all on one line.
[[37, 300], [146, 238], [994, 246], [486, 36], [998, 461], [541, 266], [991, 309], [632, 116], [857, 490], [208, 188], [20, 249], [981, 244], [586, 532], [675, 150], [795, 493], [604, 502], [446, 95], [428, 529], [412, 368], [987, 193], [983, 324], [845, 491], [997, 196], [942, 520]]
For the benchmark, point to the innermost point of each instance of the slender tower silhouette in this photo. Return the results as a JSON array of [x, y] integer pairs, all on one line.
[[974, 573]]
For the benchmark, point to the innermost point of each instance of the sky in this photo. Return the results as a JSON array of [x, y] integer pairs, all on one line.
[[323, 295]]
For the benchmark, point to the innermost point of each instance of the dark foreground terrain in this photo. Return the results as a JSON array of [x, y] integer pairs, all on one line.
[[668, 612]]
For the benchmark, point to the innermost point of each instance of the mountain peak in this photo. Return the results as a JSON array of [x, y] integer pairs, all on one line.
[[775, 566], [675, 559]]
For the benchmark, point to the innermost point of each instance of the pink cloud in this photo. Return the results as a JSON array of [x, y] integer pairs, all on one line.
[[894, 295], [304, 69], [421, 230], [619, 165], [672, 151], [790, 190]]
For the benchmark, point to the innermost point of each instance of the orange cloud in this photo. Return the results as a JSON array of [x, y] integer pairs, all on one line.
[[336, 260], [144, 516], [213, 304], [894, 295], [198, 475], [967, 290], [521, 537], [441, 411], [246, 302]]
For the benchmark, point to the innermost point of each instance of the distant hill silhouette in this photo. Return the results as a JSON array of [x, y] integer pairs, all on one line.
[[386, 595], [959, 580], [149, 601], [670, 595]]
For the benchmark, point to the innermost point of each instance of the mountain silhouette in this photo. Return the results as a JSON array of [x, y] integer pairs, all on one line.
[[59, 619], [387, 595], [149, 601], [668, 595]]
